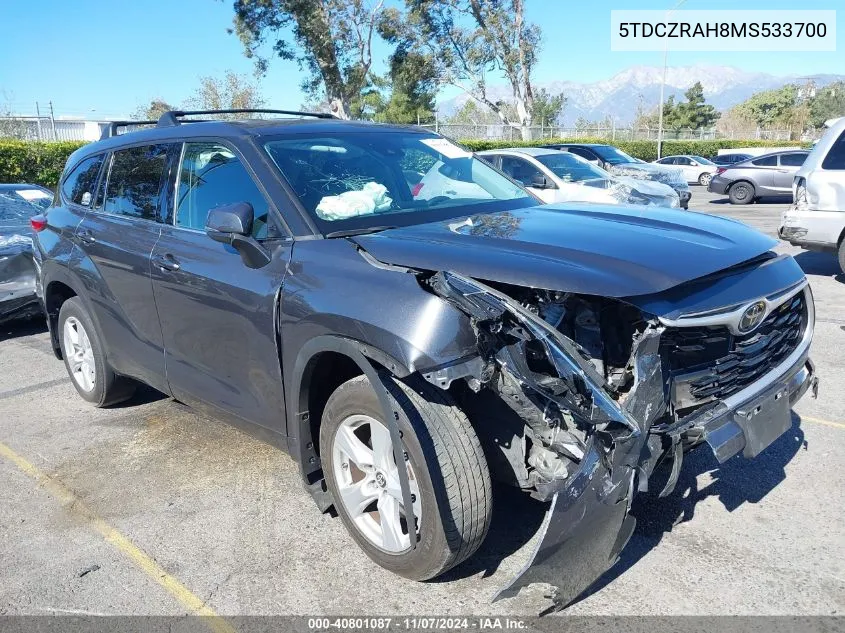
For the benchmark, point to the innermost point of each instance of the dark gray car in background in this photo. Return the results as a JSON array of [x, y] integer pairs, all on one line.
[[408, 343], [767, 175], [18, 204]]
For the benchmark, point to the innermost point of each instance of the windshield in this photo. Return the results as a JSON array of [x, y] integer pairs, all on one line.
[[614, 155], [570, 168], [702, 161], [374, 179]]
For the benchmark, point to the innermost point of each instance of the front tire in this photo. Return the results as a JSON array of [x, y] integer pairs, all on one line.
[[447, 471], [842, 256], [85, 361], [741, 192], [705, 178]]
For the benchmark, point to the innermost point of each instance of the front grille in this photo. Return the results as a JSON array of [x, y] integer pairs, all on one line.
[[709, 363]]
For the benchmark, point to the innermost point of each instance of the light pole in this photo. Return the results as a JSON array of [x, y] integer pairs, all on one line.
[[663, 87]]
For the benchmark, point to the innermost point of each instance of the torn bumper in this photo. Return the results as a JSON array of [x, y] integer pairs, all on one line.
[[586, 527], [754, 424]]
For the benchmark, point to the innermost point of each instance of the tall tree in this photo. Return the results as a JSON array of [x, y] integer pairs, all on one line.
[[473, 113], [332, 42], [413, 88], [153, 110], [693, 113], [770, 107], [827, 103], [467, 40], [547, 107], [232, 91]]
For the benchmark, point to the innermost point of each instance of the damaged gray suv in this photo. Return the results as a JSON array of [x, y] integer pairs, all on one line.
[[409, 325]]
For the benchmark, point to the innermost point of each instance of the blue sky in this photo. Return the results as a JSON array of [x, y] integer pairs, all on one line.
[[101, 58]]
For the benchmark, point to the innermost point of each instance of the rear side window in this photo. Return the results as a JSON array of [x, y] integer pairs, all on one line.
[[211, 175], [792, 160], [766, 161], [835, 158], [583, 153], [135, 181], [78, 186]]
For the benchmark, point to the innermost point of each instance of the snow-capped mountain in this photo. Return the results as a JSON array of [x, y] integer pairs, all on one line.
[[619, 96]]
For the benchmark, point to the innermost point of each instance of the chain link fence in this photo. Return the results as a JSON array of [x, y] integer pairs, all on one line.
[[47, 129], [500, 132]]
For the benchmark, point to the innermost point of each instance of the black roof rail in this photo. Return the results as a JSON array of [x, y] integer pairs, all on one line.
[[111, 129], [172, 117]]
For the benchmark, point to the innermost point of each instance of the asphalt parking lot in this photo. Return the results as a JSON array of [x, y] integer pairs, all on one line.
[[148, 508]]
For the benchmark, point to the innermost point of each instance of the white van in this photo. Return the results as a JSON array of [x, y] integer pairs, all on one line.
[[816, 220]]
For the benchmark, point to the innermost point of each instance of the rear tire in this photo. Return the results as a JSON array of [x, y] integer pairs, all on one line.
[[85, 361], [741, 192], [447, 464]]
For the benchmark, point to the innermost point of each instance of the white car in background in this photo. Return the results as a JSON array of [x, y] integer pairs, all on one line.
[[816, 220], [555, 176], [696, 169]]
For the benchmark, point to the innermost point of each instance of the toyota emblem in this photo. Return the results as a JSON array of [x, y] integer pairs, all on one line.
[[752, 317]]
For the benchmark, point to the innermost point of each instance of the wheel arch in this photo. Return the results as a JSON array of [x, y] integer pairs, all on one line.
[[60, 285], [323, 364]]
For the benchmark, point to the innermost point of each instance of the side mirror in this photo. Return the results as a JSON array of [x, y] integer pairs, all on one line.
[[227, 220], [539, 182], [232, 224]]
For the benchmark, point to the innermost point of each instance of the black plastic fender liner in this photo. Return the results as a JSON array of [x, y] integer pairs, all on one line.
[[355, 351]]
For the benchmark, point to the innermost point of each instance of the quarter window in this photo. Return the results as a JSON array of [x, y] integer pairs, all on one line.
[[78, 187], [136, 181], [211, 175], [766, 161], [792, 160], [835, 158]]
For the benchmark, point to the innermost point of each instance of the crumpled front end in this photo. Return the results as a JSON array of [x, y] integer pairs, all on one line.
[[672, 177], [606, 392], [624, 190], [17, 278]]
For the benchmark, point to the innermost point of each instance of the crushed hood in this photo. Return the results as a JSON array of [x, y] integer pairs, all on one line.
[[605, 250]]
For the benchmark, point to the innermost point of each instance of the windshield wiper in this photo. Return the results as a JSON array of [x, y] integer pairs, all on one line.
[[362, 231]]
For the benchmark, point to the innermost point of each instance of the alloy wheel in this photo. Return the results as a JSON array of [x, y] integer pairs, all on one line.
[[79, 354], [367, 479]]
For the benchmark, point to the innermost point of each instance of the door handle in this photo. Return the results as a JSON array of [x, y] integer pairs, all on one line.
[[87, 236], [166, 262]]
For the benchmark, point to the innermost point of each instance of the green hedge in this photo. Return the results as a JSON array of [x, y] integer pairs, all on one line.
[[644, 150], [32, 162]]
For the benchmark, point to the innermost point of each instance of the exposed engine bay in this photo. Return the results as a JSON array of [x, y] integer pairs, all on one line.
[[562, 407]]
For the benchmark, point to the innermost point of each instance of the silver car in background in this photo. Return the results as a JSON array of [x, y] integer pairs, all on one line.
[[816, 220], [767, 175]]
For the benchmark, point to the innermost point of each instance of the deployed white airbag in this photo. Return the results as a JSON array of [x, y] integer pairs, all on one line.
[[370, 199]]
